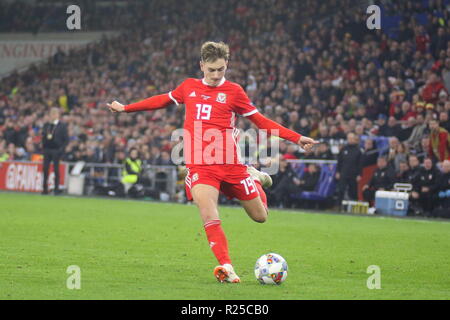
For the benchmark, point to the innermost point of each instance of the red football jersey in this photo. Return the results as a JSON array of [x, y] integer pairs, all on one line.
[[210, 136]]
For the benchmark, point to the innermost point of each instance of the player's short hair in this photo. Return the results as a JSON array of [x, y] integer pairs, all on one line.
[[212, 51]]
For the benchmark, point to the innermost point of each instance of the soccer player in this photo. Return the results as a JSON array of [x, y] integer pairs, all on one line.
[[211, 151]]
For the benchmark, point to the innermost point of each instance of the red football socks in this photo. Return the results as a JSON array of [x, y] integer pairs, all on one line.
[[217, 241]]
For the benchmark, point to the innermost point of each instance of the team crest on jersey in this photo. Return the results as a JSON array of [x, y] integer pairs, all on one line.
[[195, 177], [222, 98]]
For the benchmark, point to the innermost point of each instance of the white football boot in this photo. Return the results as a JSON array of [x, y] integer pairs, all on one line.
[[225, 273], [264, 178]]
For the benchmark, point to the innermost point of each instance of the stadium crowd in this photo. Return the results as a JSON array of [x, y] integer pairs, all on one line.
[[312, 66]]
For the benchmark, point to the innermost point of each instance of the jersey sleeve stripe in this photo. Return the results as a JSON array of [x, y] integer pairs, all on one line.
[[250, 113], [173, 99]]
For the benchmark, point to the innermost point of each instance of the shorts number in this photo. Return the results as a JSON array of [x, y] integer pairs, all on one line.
[[249, 185], [203, 111]]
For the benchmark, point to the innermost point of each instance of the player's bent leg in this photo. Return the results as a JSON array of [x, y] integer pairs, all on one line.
[[255, 209]]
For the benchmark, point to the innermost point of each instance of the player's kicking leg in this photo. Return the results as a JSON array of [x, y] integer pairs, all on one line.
[[257, 208], [206, 198]]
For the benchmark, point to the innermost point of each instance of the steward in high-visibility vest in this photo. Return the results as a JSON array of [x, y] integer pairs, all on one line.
[[132, 168], [4, 157]]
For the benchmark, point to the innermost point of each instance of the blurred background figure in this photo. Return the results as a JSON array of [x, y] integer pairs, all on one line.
[[382, 180], [349, 168], [439, 141], [54, 141], [132, 173], [422, 195], [442, 192]]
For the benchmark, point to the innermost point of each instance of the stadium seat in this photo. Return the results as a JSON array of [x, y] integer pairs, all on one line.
[[299, 168], [381, 143], [326, 185]]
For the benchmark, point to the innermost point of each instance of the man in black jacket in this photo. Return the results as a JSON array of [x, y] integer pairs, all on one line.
[[414, 170], [310, 178], [442, 192], [423, 191], [55, 138], [349, 168], [285, 182], [382, 179], [401, 176]]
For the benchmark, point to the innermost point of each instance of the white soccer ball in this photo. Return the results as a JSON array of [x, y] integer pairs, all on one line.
[[271, 268]]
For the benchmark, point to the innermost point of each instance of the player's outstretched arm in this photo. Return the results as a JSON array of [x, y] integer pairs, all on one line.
[[265, 123], [152, 103]]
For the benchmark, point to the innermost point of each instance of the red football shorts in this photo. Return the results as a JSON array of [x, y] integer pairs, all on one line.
[[232, 180]]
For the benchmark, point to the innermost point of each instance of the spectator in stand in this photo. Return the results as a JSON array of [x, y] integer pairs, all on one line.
[[433, 87], [307, 155], [397, 100], [418, 132], [20, 154], [323, 135], [423, 191], [444, 121], [407, 128], [285, 182], [310, 178], [423, 151], [382, 126], [400, 155], [323, 152], [305, 126], [446, 74], [392, 128], [422, 39], [439, 42], [382, 179], [335, 133], [292, 152], [165, 159], [439, 147], [392, 151], [4, 156], [348, 171]]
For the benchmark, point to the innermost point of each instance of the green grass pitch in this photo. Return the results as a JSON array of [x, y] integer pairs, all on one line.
[[147, 250]]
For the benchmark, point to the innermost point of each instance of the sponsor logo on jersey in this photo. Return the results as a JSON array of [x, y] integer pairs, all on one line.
[[195, 177], [192, 94], [222, 98], [205, 97]]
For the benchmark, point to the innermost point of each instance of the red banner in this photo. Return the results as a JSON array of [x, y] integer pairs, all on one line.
[[28, 176]]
